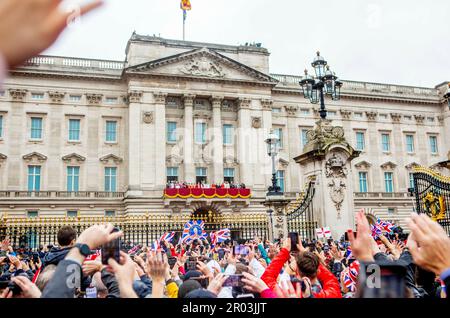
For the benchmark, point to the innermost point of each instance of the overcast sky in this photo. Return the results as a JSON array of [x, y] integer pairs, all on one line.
[[389, 41]]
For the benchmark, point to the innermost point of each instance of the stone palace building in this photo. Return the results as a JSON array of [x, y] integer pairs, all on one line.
[[92, 138]]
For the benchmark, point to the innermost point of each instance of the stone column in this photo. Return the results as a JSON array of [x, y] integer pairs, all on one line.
[[134, 142], [245, 156], [160, 139], [398, 151], [217, 145], [188, 145], [293, 134], [265, 165], [327, 158], [373, 147], [444, 142]]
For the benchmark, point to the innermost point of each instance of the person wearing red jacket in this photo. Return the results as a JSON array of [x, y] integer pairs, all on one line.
[[329, 283]]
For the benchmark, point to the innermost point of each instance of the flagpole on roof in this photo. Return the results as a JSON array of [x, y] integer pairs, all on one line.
[[184, 25]]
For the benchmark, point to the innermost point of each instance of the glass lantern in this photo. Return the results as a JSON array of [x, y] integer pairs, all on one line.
[[337, 90], [329, 80], [272, 142], [307, 84], [319, 65]]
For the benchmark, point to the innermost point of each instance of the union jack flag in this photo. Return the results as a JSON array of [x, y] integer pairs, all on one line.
[[193, 230], [155, 245], [348, 253], [168, 236], [220, 236], [351, 276], [134, 249], [381, 227]]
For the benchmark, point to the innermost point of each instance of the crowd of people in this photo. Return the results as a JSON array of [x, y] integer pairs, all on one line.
[[204, 185], [414, 266]]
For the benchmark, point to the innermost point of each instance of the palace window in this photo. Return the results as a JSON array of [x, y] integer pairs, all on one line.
[[228, 174], [360, 141], [172, 174], [433, 145], [391, 210], [200, 133], [111, 131], [227, 135], [383, 116], [110, 179], [389, 182], [2, 93], [73, 177], [32, 214], [386, 142], [280, 180], [305, 111], [34, 178], [1, 126], [358, 115], [74, 130], [304, 137], [410, 143], [72, 214], [363, 182], [37, 96], [201, 175], [36, 128], [171, 132], [276, 110], [279, 133], [111, 100], [411, 180], [75, 98], [110, 214], [332, 113]]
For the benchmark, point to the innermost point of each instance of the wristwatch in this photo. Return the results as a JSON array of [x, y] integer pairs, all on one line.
[[84, 249]]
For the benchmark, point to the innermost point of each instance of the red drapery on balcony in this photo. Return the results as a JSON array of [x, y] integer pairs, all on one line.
[[212, 193]]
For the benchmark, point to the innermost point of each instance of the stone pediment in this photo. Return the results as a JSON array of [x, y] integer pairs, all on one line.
[[363, 165], [388, 165], [412, 165], [73, 158], [108, 158], [202, 63], [35, 156]]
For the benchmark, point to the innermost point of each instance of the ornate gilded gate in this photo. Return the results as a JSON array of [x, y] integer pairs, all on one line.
[[432, 195], [300, 217], [138, 229]]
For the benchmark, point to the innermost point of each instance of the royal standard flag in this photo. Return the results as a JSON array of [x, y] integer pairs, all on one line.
[[186, 5]]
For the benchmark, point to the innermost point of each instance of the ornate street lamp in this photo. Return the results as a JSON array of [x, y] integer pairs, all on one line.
[[325, 83], [272, 150]]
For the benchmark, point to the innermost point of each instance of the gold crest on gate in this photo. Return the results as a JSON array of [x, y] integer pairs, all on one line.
[[434, 206]]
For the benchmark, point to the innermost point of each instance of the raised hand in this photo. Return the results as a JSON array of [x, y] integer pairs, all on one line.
[[92, 267], [361, 245], [215, 285], [429, 244], [29, 290], [124, 273], [98, 235], [288, 290], [28, 27], [253, 283]]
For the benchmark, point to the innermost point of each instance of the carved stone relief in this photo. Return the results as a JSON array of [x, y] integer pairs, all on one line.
[[256, 122], [147, 117], [202, 66], [336, 171]]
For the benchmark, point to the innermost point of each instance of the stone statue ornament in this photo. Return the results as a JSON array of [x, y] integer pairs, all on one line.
[[336, 171], [202, 67]]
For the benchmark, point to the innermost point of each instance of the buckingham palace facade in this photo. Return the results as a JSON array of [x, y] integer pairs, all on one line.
[[94, 138]]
